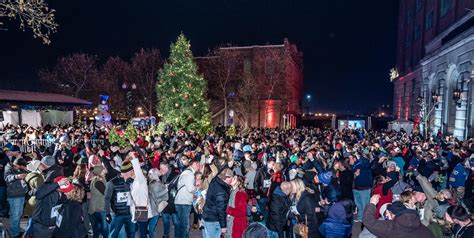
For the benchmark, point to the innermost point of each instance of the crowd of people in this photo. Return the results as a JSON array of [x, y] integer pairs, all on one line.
[[306, 182]]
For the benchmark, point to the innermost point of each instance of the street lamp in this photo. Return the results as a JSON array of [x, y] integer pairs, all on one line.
[[129, 96], [457, 95], [308, 99]]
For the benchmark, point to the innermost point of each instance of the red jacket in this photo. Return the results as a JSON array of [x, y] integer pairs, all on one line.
[[383, 198], [239, 212]]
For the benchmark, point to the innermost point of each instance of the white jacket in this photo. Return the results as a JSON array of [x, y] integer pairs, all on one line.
[[139, 190], [185, 188]]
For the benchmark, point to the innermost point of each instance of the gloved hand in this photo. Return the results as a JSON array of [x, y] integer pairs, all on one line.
[[108, 218]]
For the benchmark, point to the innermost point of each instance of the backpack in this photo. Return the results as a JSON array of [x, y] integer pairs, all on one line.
[[172, 192]]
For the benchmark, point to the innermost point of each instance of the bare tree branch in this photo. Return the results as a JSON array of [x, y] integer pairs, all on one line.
[[32, 14]]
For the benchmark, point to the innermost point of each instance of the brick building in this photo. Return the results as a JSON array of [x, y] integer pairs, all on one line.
[[272, 75], [434, 63]]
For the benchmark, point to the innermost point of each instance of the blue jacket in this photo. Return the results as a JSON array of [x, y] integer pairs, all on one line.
[[336, 226], [364, 180]]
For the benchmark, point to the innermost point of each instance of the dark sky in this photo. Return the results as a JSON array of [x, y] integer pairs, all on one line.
[[348, 45]]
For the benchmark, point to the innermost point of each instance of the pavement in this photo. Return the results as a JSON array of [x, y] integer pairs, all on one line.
[[194, 233]]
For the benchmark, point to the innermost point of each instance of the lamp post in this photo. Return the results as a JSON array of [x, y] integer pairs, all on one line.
[[129, 96], [308, 99]]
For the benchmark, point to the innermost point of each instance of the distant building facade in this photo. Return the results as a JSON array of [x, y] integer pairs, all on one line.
[[276, 80], [435, 53]]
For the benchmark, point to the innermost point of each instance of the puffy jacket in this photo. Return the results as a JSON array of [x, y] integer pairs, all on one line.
[[278, 207], [364, 180], [336, 226], [405, 225], [72, 225], [216, 202]]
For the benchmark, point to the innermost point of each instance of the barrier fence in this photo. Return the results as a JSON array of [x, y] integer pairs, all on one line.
[[34, 145]]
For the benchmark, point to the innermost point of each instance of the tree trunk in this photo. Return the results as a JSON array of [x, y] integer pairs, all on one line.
[[225, 112]]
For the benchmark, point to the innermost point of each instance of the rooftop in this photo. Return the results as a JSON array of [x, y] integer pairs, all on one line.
[[38, 97]]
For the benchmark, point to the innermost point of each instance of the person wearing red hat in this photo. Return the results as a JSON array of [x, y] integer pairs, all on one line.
[[69, 220]]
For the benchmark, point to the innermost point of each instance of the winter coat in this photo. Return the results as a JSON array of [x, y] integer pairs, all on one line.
[[117, 196], [52, 172], [157, 192], [262, 182], [97, 200], [16, 188], [346, 179], [186, 188], [46, 198], [34, 180], [336, 226], [431, 202], [384, 197], [139, 190], [306, 207], [238, 215], [217, 199], [111, 172], [72, 221], [365, 179], [458, 177], [278, 207], [403, 226]]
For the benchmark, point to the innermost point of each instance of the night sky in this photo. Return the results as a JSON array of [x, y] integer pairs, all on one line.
[[348, 45]]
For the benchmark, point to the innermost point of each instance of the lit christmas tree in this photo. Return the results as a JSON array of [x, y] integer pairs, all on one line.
[[182, 91], [130, 132], [114, 136]]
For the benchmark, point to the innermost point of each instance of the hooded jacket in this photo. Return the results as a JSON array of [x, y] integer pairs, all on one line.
[[336, 226], [364, 180], [403, 226]]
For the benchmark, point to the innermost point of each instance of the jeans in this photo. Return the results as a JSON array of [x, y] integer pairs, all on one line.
[[211, 229], [3, 202], [166, 223], [118, 222], [16, 212], [361, 198], [99, 225], [183, 212], [150, 225]]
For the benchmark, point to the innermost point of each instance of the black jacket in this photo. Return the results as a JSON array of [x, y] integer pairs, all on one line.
[[216, 202], [278, 208], [116, 193], [260, 177], [46, 198], [306, 207], [72, 224]]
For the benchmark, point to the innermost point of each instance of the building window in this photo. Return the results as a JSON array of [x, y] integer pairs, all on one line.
[[444, 5], [413, 87], [417, 32], [429, 20], [419, 4]]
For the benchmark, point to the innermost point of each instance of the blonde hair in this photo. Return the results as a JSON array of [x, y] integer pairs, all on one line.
[[77, 194], [406, 196], [299, 187]]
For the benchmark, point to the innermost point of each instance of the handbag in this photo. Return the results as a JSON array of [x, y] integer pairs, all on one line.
[[141, 214], [301, 229]]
